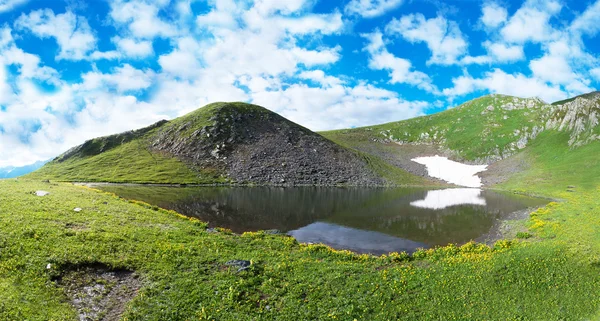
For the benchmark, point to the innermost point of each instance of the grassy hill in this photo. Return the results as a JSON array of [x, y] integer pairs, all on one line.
[[223, 143], [525, 141]]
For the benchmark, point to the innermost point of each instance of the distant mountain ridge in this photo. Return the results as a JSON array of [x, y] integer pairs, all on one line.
[[12, 171]]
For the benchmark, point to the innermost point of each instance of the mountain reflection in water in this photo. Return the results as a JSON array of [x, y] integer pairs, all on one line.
[[356, 219]]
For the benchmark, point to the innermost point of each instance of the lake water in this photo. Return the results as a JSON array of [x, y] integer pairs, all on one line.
[[364, 220]]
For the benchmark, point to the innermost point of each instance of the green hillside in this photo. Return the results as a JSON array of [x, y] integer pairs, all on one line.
[[223, 143], [536, 145], [485, 128]]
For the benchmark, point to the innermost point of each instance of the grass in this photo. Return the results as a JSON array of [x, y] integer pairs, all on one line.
[[131, 162], [555, 168], [184, 274], [455, 128]]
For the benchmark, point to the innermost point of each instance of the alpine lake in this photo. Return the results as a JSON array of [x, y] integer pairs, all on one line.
[[363, 220]]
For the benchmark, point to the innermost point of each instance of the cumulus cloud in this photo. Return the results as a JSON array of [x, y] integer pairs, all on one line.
[[371, 8], [443, 37], [122, 79], [400, 70], [587, 22], [141, 18], [493, 15], [498, 81], [72, 33], [339, 106], [134, 48], [8, 5], [595, 73], [498, 52], [532, 22]]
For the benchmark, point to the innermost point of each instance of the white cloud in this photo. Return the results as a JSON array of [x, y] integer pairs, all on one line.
[[587, 22], [371, 8], [596, 74], [122, 79], [5, 90], [270, 7], [442, 37], [72, 33], [504, 52], [532, 22], [8, 5], [182, 61], [493, 15], [400, 70], [134, 48], [498, 52], [338, 106], [498, 81], [325, 24], [142, 18], [320, 77]]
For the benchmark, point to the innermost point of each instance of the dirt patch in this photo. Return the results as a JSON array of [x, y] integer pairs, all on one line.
[[503, 170], [97, 292], [76, 226]]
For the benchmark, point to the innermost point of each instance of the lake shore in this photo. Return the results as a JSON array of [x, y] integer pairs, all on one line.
[[42, 238]]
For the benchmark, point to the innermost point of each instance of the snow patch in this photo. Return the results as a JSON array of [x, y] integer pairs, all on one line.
[[440, 199], [451, 171]]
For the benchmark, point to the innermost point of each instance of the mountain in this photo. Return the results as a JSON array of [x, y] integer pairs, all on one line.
[[525, 142], [11, 172], [223, 143]]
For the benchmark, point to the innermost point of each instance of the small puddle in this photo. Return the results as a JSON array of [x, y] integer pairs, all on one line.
[[98, 293]]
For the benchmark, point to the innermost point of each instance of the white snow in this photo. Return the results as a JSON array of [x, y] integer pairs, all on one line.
[[440, 199], [451, 171]]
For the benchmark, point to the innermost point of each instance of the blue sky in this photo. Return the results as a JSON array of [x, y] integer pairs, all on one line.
[[72, 70]]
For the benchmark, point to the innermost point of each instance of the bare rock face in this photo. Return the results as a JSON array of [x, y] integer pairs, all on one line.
[[258, 146], [580, 117]]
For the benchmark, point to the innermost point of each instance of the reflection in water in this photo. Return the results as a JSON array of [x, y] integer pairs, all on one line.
[[352, 239], [440, 199], [426, 218]]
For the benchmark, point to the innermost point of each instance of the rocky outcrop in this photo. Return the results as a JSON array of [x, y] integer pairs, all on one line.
[[579, 117], [254, 145]]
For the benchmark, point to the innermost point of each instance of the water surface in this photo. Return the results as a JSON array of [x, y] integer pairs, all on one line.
[[365, 220]]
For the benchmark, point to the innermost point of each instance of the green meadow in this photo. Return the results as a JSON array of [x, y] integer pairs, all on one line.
[[553, 275]]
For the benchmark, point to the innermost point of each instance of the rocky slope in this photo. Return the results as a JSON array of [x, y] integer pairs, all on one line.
[[493, 130], [252, 144], [221, 143]]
